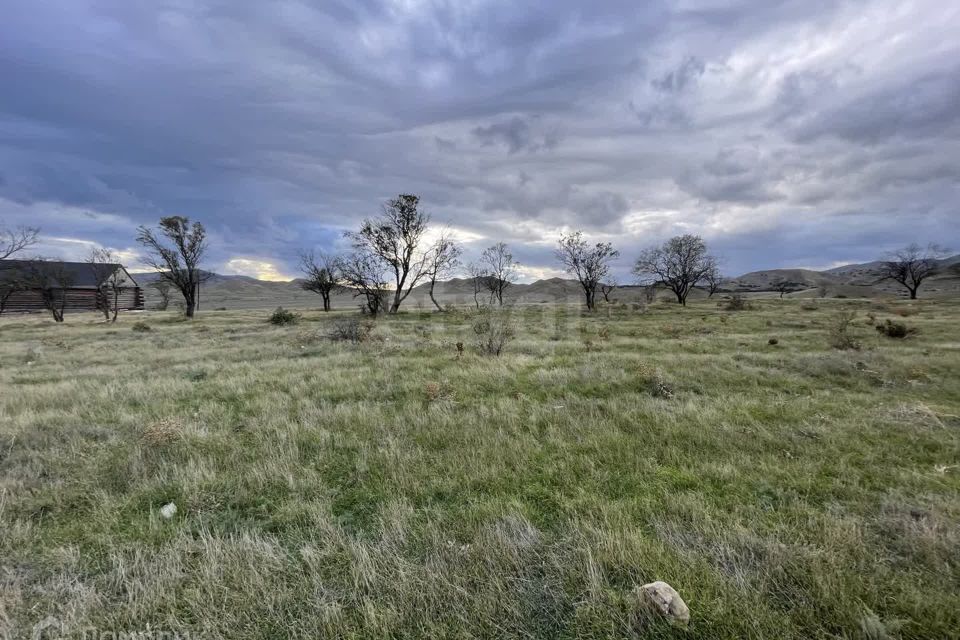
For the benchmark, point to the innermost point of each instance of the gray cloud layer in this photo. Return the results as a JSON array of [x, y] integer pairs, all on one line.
[[786, 133]]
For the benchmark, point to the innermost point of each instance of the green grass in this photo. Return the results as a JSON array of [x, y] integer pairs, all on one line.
[[390, 489]]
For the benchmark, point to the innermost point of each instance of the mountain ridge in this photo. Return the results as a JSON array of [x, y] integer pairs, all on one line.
[[853, 280]]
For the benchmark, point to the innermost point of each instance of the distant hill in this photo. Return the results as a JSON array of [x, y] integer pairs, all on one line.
[[853, 280]]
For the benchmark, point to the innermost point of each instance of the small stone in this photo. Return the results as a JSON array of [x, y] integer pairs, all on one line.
[[665, 599], [168, 511]]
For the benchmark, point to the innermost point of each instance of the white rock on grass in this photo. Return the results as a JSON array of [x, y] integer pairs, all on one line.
[[168, 511], [663, 598]]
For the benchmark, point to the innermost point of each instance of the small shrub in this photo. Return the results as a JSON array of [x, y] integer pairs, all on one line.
[[840, 337], [660, 388], [33, 354], [493, 330], [895, 329], [671, 330], [809, 306], [873, 628], [353, 330], [283, 317], [603, 333], [736, 302], [773, 342], [140, 327], [167, 431], [197, 376], [435, 391]]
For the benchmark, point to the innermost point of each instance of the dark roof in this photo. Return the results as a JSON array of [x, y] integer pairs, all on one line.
[[80, 275]]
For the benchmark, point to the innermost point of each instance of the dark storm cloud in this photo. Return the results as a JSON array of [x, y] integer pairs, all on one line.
[[922, 107], [680, 78], [281, 124], [518, 134]]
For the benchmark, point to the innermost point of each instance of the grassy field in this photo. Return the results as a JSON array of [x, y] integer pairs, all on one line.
[[393, 489]]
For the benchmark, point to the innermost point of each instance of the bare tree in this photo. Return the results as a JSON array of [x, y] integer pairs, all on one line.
[[162, 287], [912, 265], [477, 276], [442, 259], [679, 264], [16, 240], [110, 280], [499, 270], [321, 275], [714, 281], [50, 279], [590, 264], [394, 238], [783, 286], [650, 293], [365, 274], [12, 281], [180, 264], [608, 287]]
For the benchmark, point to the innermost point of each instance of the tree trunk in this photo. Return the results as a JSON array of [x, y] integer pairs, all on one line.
[[189, 308], [116, 304], [681, 298], [397, 298], [913, 293], [326, 301], [435, 303]]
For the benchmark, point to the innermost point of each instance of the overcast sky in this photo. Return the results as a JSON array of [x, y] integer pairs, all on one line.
[[797, 133]]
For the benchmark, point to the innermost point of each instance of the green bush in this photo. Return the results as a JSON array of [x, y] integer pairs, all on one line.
[[494, 330], [282, 317], [141, 327], [893, 329], [840, 337]]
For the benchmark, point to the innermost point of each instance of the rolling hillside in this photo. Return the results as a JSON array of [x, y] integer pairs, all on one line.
[[852, 281]]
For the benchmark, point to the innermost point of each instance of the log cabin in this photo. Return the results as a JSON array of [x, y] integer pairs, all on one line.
[[27, 285]]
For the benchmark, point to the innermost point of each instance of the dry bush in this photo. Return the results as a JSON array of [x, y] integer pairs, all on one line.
[[736, 302], [140, 327], [435, 391], [671, 330], [809, 306], [659, 387], [893, 329], [355, 330], [840, 337], [166, 431], [493, 330]]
